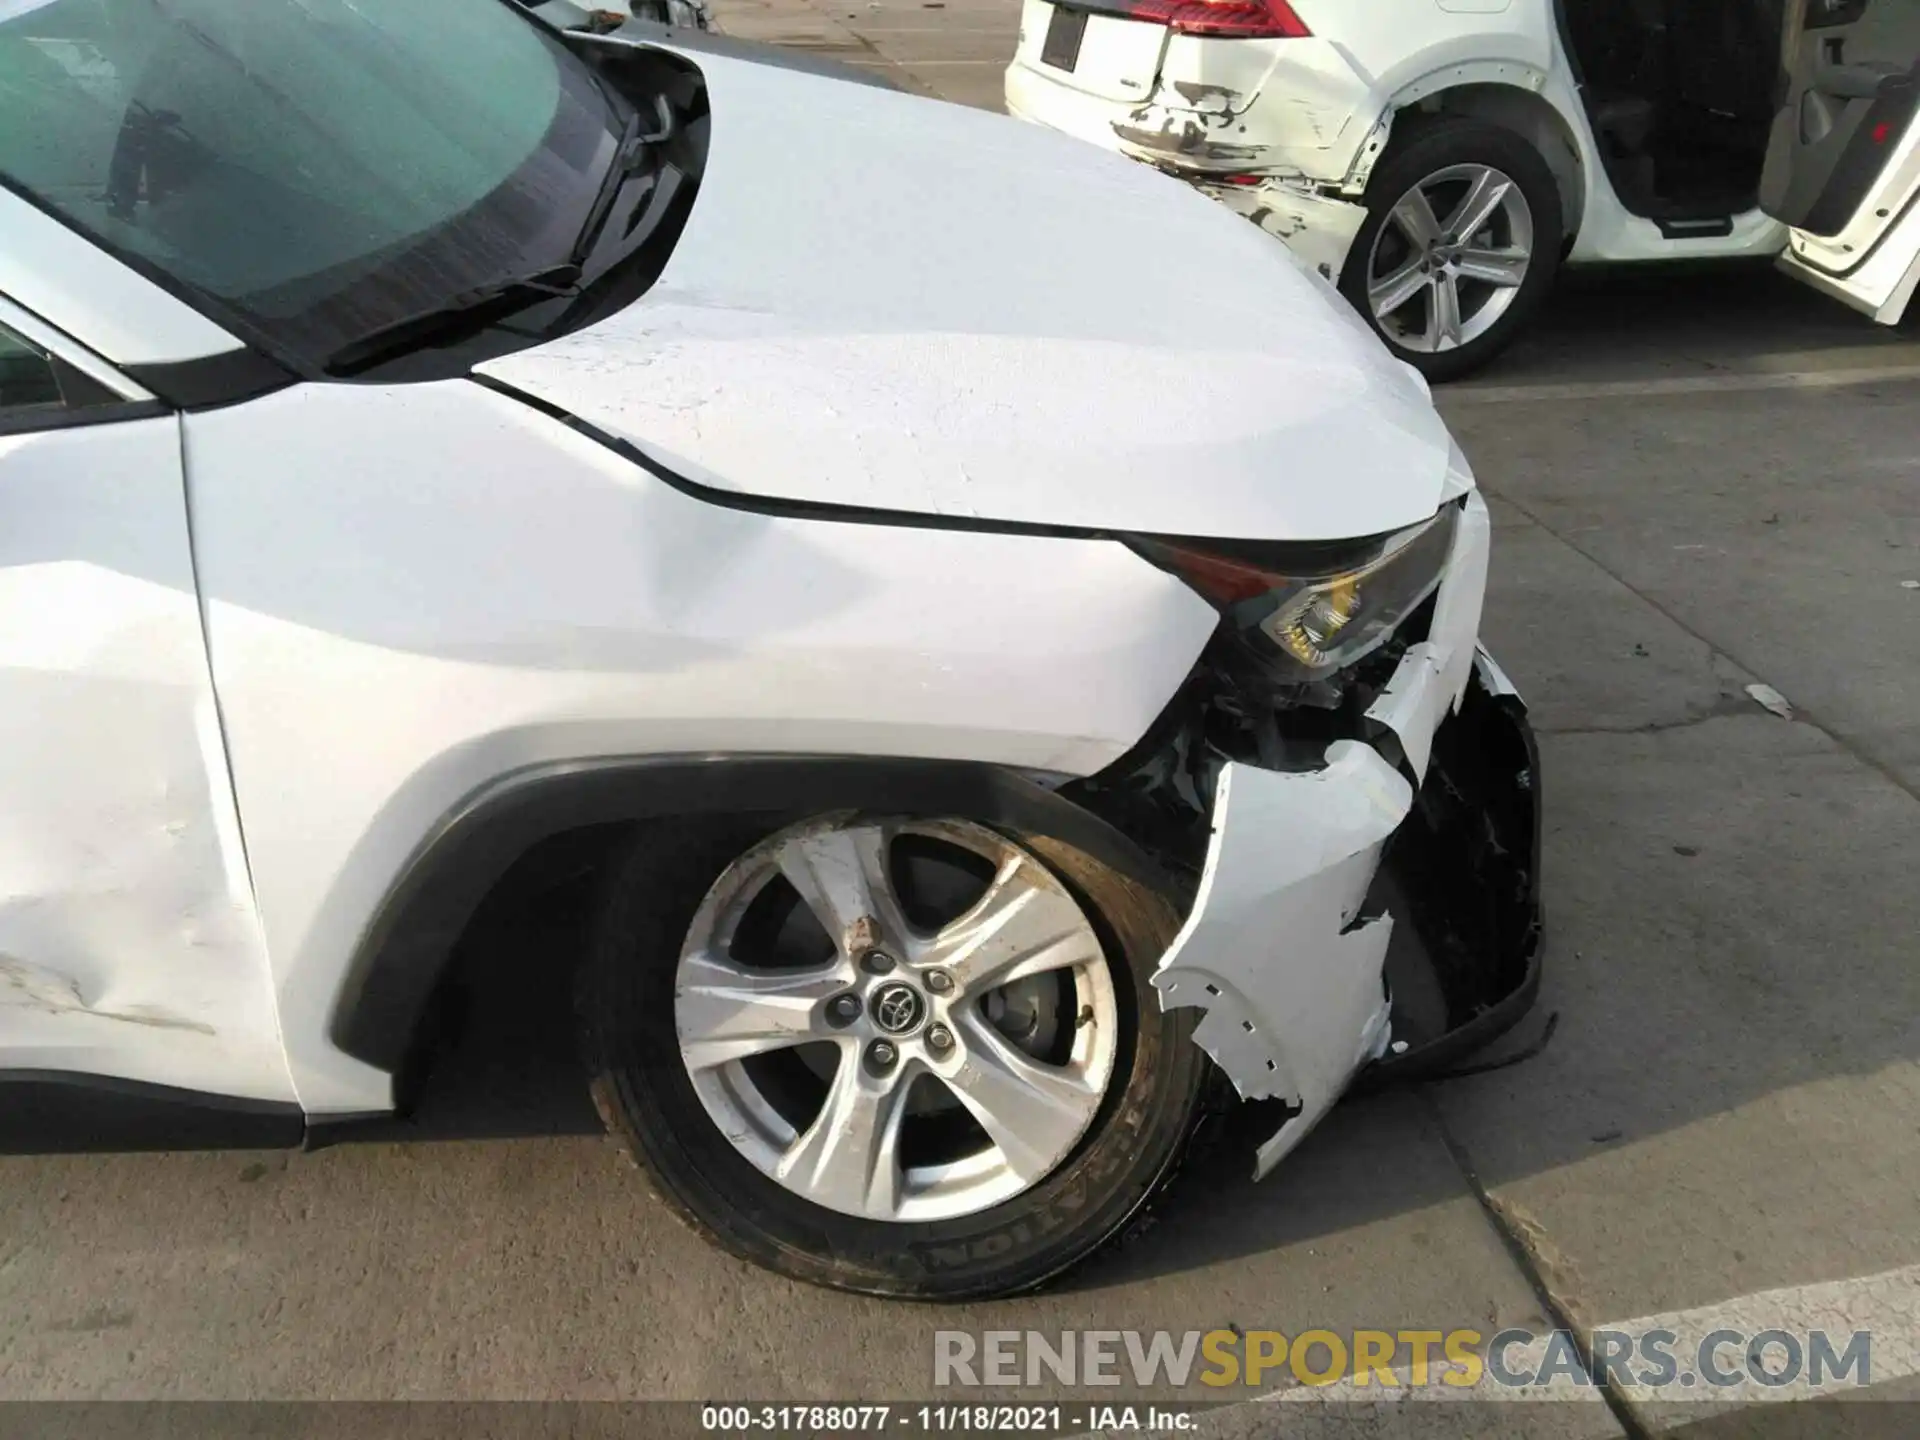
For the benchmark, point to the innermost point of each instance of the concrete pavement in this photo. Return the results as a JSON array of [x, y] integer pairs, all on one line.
[[953, 49]]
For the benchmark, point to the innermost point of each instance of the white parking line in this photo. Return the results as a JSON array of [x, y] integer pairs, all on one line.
[[1675, 385], [1884, 1306]]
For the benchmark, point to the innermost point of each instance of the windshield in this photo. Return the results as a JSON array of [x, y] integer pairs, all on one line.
[[308, 170]]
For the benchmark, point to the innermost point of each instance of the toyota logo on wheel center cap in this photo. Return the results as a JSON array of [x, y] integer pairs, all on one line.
[[898, 1008]]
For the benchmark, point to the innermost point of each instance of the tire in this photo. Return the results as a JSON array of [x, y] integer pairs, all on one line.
[[636, 1003], [1443, 160]]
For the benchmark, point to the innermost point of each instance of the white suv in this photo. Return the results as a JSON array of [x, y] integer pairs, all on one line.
[[988, 681], [1437, 159]]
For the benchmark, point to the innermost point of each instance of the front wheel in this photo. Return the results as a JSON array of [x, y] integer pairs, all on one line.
[[905, 1056], [1460, 244]]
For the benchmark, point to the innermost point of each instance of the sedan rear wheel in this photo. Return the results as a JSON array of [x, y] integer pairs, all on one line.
[[904, 1055], [1460, 244], [1451, 258]]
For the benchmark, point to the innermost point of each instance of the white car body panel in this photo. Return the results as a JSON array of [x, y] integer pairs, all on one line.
[[1612, 234], [1310, 116], [1873, 264], [526, 596], [1292, 988], [1841, 111], [129, 945], [1883, 286], [853, 364]]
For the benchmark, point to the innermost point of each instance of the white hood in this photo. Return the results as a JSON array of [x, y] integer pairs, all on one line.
[[889, 302]]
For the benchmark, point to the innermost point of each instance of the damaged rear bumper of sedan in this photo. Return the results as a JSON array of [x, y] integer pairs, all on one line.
[[1367, 897]]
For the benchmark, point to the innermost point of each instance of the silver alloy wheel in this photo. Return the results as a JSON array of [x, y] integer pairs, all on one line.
[[1436, 284], [894, 1008]]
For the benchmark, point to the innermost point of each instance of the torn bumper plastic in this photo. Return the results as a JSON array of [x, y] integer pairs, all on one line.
[[1315, 225], [1382, 909]]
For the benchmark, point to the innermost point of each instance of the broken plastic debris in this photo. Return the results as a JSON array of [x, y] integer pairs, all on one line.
[[1772, 699]]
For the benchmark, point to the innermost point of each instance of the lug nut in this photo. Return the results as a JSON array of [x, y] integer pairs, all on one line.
[[939, 981], [877, 962], [844, 1008], [939, 1038], [881, 1055]]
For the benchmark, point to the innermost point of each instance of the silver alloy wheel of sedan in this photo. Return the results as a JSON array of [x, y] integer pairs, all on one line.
[[1436, 284], [1004, 1013]]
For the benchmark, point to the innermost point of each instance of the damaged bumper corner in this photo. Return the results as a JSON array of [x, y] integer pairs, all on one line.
[[1318, 227], [1285, 136], [1382, 908]]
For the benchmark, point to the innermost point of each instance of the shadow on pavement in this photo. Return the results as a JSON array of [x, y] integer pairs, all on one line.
[[1644, 321]]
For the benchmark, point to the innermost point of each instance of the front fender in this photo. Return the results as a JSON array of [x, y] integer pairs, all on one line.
[[406, 949]]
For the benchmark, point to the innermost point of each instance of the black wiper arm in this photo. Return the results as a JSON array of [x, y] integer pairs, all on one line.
[[461, 315], [474, 310], [634, 143]]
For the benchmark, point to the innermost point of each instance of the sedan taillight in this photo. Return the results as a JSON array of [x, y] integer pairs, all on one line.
[[1223, 19]]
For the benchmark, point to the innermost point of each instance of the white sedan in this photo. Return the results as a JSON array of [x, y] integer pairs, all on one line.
[[991, 678], [1438, 159]]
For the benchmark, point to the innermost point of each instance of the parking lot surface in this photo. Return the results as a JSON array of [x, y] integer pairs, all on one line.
[[1701, 482]]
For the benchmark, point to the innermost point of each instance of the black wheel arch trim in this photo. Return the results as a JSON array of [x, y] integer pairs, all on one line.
[[405, 951]]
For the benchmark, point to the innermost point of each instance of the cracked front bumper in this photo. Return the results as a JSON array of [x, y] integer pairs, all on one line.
[[1417, 844]]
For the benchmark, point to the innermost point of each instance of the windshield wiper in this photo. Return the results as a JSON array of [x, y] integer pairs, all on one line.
[[634, 144], [461, 315], [474, 310]]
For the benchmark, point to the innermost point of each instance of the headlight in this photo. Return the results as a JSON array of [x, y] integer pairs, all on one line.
[[1315, 609]]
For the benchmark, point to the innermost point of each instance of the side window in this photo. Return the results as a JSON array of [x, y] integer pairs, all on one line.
[[42, 391], [26, 375]]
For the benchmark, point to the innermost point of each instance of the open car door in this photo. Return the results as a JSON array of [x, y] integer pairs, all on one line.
[[1843, 159]]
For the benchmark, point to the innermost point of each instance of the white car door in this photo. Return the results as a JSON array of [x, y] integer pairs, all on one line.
[[1843, 162], [129, 946]]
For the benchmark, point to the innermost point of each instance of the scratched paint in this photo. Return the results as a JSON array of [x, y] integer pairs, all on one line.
[[1290, 110], [871, 361], [27, 987], [128, 943], [1318, 228]]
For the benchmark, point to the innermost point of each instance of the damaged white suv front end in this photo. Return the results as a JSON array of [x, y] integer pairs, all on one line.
[[1396, 799], [982, 680]]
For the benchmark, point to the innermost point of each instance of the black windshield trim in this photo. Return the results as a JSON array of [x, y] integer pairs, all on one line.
[[214, 380]]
